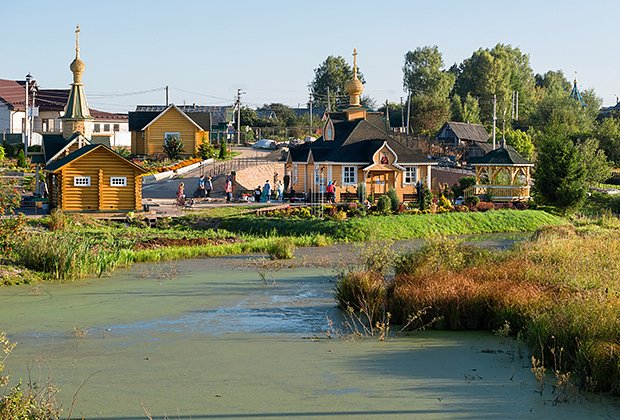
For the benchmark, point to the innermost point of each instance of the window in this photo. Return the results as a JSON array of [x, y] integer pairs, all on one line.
[[97, 128], [410, 174], [47, 125], [106, 128], [81, 181], [117, 127], [349, 175], [169, 136], [118, 181]]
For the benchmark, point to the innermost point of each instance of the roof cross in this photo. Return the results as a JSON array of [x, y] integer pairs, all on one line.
[[77, 41], [354, 63]]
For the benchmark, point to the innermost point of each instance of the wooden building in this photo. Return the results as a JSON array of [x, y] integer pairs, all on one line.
[[152, 128], [503, 175], [94, 178], [356, 147], [464, 140]]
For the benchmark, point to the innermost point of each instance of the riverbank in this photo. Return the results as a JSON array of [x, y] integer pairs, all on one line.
[[67, 247]]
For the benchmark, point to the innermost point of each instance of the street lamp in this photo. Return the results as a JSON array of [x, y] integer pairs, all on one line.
[[27, 119]]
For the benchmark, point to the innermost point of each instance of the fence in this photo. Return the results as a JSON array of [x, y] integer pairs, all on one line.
[[224, 168], [499, 193]]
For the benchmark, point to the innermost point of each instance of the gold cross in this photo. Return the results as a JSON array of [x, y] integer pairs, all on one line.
[[355, 61], [77, 42]]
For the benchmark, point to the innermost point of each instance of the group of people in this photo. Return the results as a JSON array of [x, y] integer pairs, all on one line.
[[264, 195], [261, 195]]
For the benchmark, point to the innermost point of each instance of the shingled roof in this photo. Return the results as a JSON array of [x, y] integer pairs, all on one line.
[[355, 141], [466, 131], [505, 155], [57, 164], [142, 117]]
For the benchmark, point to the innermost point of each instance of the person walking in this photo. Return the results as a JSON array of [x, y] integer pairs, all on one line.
[[333, 191], [200, 190], [280, 191], [267, 192], [257, 194], [208, 187], [181, 194], [228, 189]]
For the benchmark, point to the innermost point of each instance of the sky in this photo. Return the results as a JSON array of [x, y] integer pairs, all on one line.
[[206, 50]]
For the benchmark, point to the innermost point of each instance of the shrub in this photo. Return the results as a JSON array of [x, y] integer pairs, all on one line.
[[361, 192], [472, 200], [384, 204], [173, 146], [427, 199], [57, 220], [461, 208], [223, 153], [2, 153], [444, 202], [21, 159], [281, 249], [464, 183], [206, 150], [339, 215], [394, 200], [122, 151]]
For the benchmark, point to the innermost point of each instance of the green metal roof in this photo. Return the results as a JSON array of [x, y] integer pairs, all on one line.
[[77, 107], [505, 155]]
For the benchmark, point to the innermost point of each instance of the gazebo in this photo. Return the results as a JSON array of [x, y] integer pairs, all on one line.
[[503, 175]]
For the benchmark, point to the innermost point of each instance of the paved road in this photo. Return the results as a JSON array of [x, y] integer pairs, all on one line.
[[167, 188]]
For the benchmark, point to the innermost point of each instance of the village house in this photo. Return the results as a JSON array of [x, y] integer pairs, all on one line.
[[82, 175], [49, 104], [464, 140], [356, 148], [151, 127]]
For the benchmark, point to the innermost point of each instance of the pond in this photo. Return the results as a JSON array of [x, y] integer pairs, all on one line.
[[221, 338]]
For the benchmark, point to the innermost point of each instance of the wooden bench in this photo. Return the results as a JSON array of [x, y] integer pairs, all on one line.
[[410, 197], [348, 197]]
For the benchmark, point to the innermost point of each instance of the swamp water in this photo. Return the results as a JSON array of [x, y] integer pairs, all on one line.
[[207, 338]]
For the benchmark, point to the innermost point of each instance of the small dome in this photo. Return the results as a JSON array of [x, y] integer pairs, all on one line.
[[354, 87], [77, 68]]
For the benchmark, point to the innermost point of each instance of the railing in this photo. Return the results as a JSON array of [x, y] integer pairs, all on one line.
[[225, 168], [499, 192]]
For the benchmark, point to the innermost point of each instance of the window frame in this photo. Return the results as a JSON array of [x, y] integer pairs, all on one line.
[[81, 181], [122, 179], [116, 127], [346, 177], [411, 172], [106, 128], [171, 133], [97, 128]]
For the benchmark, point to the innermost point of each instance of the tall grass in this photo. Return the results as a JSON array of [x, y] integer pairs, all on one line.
[[560, 292]]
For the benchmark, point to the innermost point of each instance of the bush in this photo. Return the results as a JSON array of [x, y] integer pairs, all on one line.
[[384, 204], [173, 146], [57, 220], [223, 153], [206, 150], [472, 201], [281, 249], [427, 199], [394, 200], [464, 183], [485, 206], [2, 153], [21, 159]]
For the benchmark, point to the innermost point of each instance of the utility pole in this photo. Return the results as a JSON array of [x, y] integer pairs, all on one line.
[[402, 115], [238, 106], [166, 96], [27, 116], [310, 113], [408, 112], [329, 102], [387, 115], [494, 118], [517, 105]]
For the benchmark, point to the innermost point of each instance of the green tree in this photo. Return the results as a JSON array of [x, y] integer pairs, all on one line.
[[465, 111], [498, 71], [424, 75], [428, 114], [223, 153], [248, 116], [285, 114], [608, 134], [559, 174], [521, 142], [429, 85], [206, 149], [594, 160], [396, 113], [21, 159], [173, 147], [331, 75]]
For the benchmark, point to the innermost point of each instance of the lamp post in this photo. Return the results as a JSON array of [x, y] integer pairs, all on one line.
[[27, 119]]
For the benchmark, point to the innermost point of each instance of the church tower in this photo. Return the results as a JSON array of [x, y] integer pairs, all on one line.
[[77, 116], [354, 89]]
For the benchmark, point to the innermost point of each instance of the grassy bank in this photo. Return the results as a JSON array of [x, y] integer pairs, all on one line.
[[396, 226], [559, 292]]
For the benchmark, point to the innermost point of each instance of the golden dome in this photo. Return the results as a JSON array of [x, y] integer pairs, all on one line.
[[77, 65], [354, 87]]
